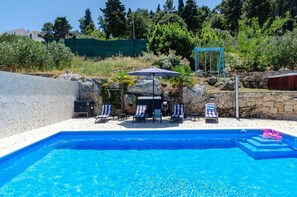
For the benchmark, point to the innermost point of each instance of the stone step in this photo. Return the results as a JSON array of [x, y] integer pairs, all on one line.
[[261, 145], [263, 140], [266, 153]]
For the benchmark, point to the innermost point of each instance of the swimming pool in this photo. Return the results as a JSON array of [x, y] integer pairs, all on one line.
[[148, 163]]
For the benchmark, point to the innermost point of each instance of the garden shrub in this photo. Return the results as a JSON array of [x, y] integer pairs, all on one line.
[[281, 51], [19, 52], [61, 55], [171, 36], [171, 60]]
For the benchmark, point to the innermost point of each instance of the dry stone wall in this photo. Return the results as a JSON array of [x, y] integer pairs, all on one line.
[[29, 102], [259, 79], [272, 105]]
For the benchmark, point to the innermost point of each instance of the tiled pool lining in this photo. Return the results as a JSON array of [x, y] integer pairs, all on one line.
[[210, 133]]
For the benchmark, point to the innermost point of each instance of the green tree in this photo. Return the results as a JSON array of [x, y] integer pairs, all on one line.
[[203, 15], [20, 52], [257, 9], [190, 15], [232, 10], [142, 24], [61, 27], [211, 37], [184, 80], [114, 19], [171, 37], [217, 21], [168, 7], [158, 8], [124, 81], [280, 51], [281, 8], [48, 30], [96, 34], [165, 18], [181, 7], [87, 25], [61, 55]]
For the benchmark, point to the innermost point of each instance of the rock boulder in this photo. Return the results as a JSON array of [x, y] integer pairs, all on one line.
[[194, 99], [145, 87], [88, 89]]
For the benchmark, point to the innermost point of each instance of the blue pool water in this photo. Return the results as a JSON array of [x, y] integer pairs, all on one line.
[[166, 164]]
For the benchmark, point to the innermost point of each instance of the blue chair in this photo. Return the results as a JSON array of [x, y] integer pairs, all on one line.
[[157, 114], [178, 112], [141, 113], [211, 112], [105, 113]]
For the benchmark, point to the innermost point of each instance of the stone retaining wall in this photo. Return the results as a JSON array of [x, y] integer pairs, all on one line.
[[259, 79], [29, 102], [273, 105]]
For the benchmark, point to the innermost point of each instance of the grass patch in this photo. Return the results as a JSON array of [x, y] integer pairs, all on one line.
[[106, 67]]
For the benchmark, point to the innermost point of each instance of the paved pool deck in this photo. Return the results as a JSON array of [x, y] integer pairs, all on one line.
[[12, 143]]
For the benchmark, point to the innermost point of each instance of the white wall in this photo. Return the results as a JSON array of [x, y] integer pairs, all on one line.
[[29, 102]]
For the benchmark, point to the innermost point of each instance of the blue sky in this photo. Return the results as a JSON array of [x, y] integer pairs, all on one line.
[[32, 14]]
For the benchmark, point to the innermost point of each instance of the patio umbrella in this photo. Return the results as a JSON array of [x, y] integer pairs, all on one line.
[[154, 72]]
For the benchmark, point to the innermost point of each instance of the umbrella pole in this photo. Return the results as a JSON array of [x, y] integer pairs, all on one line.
[[153, 106]]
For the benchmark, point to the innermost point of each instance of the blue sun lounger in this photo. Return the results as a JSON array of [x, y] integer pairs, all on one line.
[[211, 112], [178, 112], [140, 113], [105, 113]]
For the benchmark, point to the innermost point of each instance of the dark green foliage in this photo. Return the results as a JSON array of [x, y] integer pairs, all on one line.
[[210, 37], [281, 51], [171, 37], [61, 27], [190, 16], [257, 9], [217, 21], [166, 18], [48, 30], [142, 23], [17, 52], [114, 19], [129, 12], [87, 25], [203, 15], [168, 7], [181, 7], [282, 8], [158, 8], [232, 10], [61, 55]]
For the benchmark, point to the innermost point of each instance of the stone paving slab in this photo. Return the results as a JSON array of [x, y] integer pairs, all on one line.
[[15, 142]]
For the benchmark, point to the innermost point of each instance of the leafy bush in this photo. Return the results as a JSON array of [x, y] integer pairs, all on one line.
[[210, 37], [60, 54], [165, 61], [171, 60], [7, 55], [19, 52], [171, 37], [282, 51]]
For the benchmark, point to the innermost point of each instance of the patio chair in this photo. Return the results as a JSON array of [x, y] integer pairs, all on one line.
[[178, 112], [105, 113], [211, 112], [157, 114], [141, 113]]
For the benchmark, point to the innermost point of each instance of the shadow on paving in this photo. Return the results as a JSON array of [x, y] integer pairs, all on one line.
[[149, 123]]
